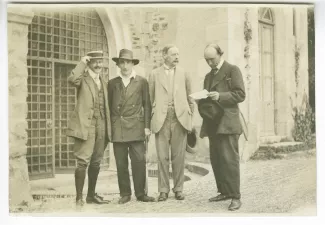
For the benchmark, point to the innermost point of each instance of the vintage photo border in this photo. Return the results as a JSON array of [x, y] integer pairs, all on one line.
[[320, 112]]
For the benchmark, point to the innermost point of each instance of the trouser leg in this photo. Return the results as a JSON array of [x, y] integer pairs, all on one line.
[[122, 166], [229, 165], [162, 139], [178, 148], [97, 156], [214, 159], [138, 162]]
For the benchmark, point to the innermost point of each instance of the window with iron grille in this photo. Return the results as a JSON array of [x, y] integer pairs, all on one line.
[[56, 42]]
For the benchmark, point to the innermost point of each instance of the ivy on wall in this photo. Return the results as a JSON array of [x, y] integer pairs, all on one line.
[[248, 38], [303, 115], [297, 65]]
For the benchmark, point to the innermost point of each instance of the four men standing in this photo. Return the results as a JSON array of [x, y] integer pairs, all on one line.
[[125, 111]]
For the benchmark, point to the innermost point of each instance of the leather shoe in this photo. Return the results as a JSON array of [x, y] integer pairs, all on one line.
[[162, 197], [234, 205], [179, 195], [146, 198], [124, 199], [96, 199], [80, 202], [219, 198]]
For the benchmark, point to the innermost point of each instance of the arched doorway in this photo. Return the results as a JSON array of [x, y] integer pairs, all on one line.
[[56, 42], [266, 50]]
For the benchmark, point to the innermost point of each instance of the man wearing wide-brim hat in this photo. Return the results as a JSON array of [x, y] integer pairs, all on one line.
[[130, 109], [89, 123]]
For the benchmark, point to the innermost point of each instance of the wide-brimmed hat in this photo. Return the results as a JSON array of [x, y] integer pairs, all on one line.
[[191, 142], [126, 54], [96, 55]]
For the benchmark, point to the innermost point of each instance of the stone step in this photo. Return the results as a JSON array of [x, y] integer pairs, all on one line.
[[283, 147], [278, 150]]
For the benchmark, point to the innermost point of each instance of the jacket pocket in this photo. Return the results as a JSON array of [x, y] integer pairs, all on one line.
[[230, 123]]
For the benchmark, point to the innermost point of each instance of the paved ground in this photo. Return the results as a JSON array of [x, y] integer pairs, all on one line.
[[275, 186]]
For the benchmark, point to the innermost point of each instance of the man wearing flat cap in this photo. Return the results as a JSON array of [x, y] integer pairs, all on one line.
[[130, 109], [89, 123], [226, 90]]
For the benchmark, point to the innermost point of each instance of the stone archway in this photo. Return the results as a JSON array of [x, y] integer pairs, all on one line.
[[19, 17], [117, 32]]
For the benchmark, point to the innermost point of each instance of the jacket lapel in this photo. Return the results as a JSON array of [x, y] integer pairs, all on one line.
[[162, 78], [90, 83], [219, 76], [104, 89], [131, 88]]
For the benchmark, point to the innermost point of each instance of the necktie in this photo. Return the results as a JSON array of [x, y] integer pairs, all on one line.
[[214, 71], [97, 81]]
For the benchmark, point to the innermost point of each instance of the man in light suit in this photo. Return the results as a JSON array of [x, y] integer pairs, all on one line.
[[226, 86], [172, 110], [89, 123]]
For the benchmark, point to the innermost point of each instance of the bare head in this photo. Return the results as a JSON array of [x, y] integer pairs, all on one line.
[[212, 55], [171, 55]]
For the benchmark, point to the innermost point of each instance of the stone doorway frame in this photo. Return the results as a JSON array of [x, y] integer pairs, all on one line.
[[18, 18]]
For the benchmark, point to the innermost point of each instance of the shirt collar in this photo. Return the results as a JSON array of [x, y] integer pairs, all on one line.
[[93, 74], [220, 63], [133, 74], [167, 68]]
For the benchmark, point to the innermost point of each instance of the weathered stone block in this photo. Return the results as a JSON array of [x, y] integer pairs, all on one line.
[[19, 188]]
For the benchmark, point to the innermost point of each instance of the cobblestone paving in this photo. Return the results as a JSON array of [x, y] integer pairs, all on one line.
[[275, 186]]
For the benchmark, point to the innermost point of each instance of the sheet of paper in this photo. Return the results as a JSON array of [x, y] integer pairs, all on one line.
[[200, 94]]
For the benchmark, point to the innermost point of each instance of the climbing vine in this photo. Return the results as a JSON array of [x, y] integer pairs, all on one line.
[[248, 38], [297, 65], [303, 115]]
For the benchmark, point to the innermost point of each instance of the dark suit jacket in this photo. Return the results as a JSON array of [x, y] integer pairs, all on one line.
[[81, 117], [230, 85], [131, 114]]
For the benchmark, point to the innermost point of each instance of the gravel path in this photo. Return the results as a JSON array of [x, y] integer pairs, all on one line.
[[275, 186]]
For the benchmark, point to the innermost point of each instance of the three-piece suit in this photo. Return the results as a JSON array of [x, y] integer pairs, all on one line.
[[172, 110], [223, 137], [89, 125]]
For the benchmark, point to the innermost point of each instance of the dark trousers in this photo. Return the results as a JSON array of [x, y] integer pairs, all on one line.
[[224, 158], [137, 151]]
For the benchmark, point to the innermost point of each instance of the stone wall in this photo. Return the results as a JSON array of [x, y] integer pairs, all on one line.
[[19, 189], [191, 29]]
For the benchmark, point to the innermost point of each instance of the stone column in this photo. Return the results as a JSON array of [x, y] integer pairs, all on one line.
[[19, 188], [228, 32]]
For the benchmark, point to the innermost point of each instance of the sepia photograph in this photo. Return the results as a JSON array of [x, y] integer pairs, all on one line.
[[152, 109]]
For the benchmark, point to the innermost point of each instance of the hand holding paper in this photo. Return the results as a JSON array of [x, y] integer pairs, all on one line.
[[200, 95]]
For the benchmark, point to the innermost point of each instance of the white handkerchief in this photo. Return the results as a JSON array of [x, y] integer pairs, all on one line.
[[200, 95]]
